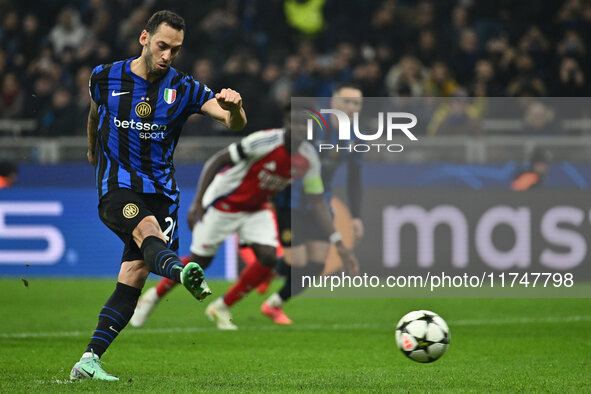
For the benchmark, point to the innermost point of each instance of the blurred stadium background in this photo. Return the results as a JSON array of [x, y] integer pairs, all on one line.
[[525, 54]]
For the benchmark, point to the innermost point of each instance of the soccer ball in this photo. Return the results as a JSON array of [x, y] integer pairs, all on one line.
[[422, 336]]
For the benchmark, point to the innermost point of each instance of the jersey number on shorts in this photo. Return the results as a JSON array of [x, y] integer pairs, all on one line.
[[169, 229]]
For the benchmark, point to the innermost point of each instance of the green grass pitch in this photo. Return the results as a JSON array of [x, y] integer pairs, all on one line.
[[335, 345]]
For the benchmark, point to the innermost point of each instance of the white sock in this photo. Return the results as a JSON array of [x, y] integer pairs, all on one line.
[[219, 303], [87, 354], [181, 274], [152, 293], [275, 300]]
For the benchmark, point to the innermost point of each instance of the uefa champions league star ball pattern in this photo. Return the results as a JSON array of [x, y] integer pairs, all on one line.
[[423, 336]]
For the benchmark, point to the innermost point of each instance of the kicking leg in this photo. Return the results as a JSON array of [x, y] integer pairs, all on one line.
[[164, 262], [150, 298]]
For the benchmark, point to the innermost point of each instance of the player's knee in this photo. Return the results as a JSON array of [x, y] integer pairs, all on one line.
[[141, 275], [267, 258], [148, 227], [134, 273]]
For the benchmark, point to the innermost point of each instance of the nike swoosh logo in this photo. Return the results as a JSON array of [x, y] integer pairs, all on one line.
[[111, 328], [166, 262], [118, 94], [88, 373]]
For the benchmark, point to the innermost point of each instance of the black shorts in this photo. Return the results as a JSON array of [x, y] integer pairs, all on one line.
[[122, 210], [298, 226]]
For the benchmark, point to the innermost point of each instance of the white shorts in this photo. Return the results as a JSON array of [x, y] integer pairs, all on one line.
[[215, 226]]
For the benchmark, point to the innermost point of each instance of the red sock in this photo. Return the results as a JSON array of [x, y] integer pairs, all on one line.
[[247, 255], [250, 277], [165, 284], [265, 283]]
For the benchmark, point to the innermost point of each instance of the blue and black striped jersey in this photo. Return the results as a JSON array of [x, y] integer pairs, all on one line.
[[139, 127]]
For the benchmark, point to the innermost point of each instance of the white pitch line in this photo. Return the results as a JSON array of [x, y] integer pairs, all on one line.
[[304, 327], [58, 381], [173, 330], [522, 320]]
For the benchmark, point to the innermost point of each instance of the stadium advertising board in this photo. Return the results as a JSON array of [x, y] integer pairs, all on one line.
[[493, 236], [470, 230], [57, 232]]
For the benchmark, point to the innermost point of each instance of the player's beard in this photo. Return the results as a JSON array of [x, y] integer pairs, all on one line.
[[153, 70]]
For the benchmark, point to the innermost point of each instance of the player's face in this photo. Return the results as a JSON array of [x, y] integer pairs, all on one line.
[[347, 100], [161, 48]]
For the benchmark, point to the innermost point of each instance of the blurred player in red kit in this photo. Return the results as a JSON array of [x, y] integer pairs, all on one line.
[[232, 197]]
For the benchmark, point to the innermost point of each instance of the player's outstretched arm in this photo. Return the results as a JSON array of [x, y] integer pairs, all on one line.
[[92, 129], [226, 108], [211, 167], [322, 212]]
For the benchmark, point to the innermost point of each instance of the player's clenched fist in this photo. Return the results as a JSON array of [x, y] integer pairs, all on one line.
[[229, 99]]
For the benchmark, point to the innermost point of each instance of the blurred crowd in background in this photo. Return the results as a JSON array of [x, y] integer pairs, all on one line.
[[270, 50]]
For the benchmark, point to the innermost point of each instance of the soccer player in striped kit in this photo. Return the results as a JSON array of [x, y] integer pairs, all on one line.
[[138, 108]]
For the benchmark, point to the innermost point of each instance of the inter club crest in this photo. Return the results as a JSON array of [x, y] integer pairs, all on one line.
[[169, 95]]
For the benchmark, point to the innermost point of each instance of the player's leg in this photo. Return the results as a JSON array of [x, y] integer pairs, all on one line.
[[165, 285], [130, 216], [247, 255], [121, 218], [114, 314], [258, 230], [307, 260], [148, 301], [253, 274], [272, 307], [159, 249], [250, 277], [266, 282], [155, 251], [206, 232], [140, 218], [309, 233], [150, 298], [317, 253]]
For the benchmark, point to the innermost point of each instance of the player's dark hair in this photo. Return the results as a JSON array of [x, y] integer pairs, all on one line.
[[344, 85], [170, 18]]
